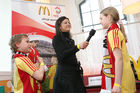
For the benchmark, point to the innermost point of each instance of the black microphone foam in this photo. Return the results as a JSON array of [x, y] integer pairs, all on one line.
[[91, 33]]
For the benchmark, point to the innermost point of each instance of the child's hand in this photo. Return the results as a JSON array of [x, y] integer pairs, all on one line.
[[116, 89], [40, 59], [37, 64]]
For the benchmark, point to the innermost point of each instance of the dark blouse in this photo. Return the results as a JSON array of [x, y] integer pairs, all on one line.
[[68, 77], [65, 49]]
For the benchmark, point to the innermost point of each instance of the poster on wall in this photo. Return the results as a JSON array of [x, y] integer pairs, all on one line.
[[37, 20]]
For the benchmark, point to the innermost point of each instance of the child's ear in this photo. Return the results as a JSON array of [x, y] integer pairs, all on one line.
[[109, 17], [17, 44]]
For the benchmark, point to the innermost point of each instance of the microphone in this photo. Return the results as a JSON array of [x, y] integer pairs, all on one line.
[[91, 33]]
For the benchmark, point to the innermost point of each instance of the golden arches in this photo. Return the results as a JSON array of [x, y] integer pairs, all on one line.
[[137, 66], [43, 10], [107, 66]]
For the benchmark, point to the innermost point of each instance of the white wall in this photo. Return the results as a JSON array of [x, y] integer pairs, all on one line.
[[91, 58], [5, 29]]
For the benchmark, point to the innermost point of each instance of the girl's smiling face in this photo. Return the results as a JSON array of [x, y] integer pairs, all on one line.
[[65, 26]]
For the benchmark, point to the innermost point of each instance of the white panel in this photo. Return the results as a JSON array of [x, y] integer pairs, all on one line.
[[5, 29]]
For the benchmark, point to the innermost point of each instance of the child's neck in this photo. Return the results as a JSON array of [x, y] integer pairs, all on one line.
[[109, 25], [21, 52]]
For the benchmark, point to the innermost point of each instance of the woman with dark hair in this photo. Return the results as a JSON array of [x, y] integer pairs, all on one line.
[[68, 77]]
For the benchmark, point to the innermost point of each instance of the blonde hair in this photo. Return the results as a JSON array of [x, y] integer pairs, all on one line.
[[16, 39], [115, 17], [54, 60]]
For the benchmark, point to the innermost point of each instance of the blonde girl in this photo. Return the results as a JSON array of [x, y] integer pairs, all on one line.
[[117, 76]]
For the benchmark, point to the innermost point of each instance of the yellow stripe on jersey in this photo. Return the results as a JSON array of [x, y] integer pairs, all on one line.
[[18, 85], [32, 82], [51, 74]]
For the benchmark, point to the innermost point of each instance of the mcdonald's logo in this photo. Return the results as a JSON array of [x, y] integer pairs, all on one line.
[[43, 9], [107, 66], [137, 66]]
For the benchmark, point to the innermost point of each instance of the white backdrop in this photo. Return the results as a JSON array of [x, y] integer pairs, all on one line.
[[5, 29]]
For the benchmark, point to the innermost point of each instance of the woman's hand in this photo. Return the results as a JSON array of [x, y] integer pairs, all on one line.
[[83, 45]]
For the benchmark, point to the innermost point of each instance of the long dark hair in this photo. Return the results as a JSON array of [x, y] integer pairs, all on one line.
[[58, 24]]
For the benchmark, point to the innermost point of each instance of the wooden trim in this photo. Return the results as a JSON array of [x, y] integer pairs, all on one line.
[[5, 76]]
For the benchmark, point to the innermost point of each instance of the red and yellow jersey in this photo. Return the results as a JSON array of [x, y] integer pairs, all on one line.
[[51, 74], [33, 55], [23, 80], [115, 39]]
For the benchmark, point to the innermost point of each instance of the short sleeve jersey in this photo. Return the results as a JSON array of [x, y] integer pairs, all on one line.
[[24, 69], [116, 40]]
